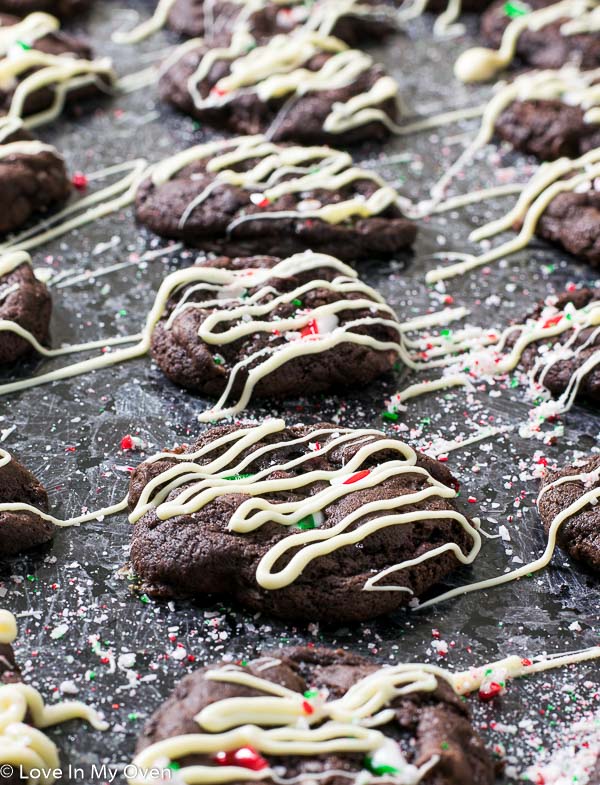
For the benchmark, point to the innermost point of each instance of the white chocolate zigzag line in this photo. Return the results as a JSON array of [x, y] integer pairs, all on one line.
[[590, 497], [543, 187], [567, 83], [201, 487], [321, 17], [346, 724]]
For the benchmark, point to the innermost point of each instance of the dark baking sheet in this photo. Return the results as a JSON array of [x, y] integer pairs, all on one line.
[[77, 614]]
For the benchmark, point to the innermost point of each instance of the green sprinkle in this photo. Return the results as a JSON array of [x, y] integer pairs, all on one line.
[[239, 477], [393, 416], [311, 694], [122, 312], [174, 766], [445, 332], [24, 46], [306, 523], [297, 302], [91, 675], [133, 716], [515, 8], [380, 769], [145, 599], [31, 578], [444, 745]]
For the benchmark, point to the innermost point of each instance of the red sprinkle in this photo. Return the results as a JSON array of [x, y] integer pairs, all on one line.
[[554, 320], [308, 708], [312, 328], [356, 477], [79, 181], [127, 443], [526, 662], [245, 757], [490, 692]]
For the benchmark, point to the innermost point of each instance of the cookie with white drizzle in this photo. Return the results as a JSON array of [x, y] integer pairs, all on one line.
[[262, 326], [61, 8], [21, 530], [247, 196], [33, 179], [575, 489], [354, 21], [535, 34], [301, 522], [303, 717], [41, 68], [559, 118], [24, 301], [554, 361], [572, 220], [24, 747], [305, 87]]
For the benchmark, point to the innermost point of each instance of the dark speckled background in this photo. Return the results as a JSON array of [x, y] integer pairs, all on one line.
[[74, 596]]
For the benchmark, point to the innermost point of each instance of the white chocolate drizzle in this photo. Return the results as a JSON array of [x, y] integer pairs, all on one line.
[[550, 180], [569, 84], [276, 722], [590, 497], [480, 64], [23, 716]]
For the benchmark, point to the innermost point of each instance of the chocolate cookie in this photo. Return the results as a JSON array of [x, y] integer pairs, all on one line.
[[265, 327], [218, 20], [548, 129], [305, 715], [33, 179], [546, 47], [572, 220], [25, 301], [579, 533], [34, 45], [21, 530], [305, 87], [61, 8], [303, 522], [557, 361], [249, 196]]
